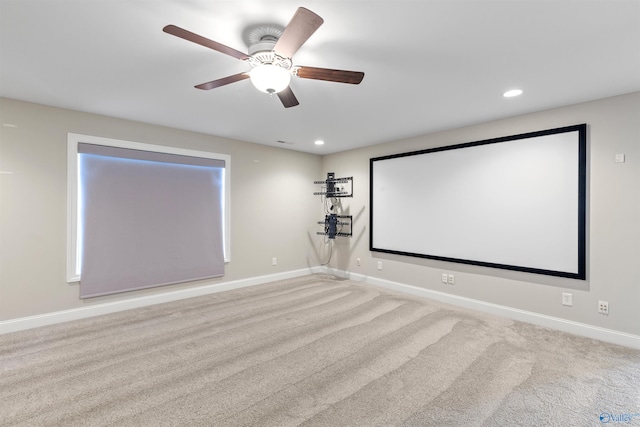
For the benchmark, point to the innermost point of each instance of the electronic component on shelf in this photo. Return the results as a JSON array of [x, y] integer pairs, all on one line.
[[336, 225], [333, 187]]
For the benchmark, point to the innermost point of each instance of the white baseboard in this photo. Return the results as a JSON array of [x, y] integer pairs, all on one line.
[[23, 323], [577, 328], [582, 329]]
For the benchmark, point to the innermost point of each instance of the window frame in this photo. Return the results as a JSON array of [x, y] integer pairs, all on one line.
[[73, 181]]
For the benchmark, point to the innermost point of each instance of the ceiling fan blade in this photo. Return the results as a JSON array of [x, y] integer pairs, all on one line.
[[340, 76], [302, 25], [192, 37], [223, 81], [288, 98]]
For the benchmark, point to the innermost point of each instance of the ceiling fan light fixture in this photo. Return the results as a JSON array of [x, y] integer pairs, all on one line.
[[269, 78], [271, 48]]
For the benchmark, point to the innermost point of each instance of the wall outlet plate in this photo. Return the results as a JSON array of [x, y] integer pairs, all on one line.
[[603, 307], [567, 299]]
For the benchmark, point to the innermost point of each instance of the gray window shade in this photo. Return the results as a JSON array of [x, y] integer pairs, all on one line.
[[148, 219]]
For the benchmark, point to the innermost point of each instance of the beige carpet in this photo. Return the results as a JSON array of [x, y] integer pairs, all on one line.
[[313, 351]]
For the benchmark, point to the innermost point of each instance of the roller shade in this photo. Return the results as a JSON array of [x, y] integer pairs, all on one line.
[[148, 219]]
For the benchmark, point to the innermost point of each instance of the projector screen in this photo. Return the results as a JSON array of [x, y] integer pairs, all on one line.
[[516, 202]]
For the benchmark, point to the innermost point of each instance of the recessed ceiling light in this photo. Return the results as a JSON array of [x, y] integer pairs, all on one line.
[[512, 93], [319, 142]]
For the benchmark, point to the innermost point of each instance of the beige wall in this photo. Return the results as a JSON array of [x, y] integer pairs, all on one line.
[[273, 210], [274, 213], [613, 216]]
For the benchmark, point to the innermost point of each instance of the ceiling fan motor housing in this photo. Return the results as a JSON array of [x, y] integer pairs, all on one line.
[[262, 40]]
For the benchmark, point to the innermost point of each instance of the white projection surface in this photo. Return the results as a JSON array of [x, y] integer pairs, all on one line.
[[515, 202]]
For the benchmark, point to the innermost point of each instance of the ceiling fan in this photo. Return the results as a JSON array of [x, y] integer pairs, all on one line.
[[270, 53]]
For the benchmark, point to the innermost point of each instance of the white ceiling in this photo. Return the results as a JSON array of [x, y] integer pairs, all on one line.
[[429, 65]]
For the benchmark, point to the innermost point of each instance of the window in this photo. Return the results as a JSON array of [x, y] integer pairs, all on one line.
[[141, 215]]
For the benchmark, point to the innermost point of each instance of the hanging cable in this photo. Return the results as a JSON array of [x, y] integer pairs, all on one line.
[[330, 243]]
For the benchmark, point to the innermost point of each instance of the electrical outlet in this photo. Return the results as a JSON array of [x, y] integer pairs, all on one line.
[[379, 265], [358, 262], [451, 279], [603, 307], [445, 277], [274, 261], [567, 299]]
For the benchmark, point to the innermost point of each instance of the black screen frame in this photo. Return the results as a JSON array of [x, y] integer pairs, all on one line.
[[581, 208]]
